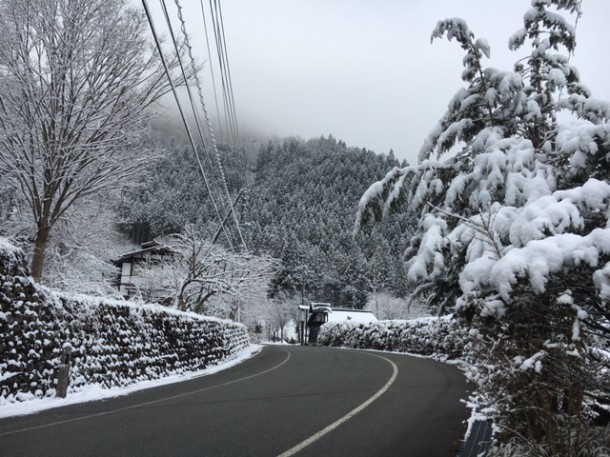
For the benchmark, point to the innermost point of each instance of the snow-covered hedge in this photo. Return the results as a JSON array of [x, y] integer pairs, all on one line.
[[113, 342], [443, 337]]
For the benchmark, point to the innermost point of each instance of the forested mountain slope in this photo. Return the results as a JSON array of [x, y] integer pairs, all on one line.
[[299, 207], [303, 203]]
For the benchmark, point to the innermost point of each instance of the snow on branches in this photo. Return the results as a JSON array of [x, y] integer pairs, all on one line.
[[203, 276], [514, 223], [514, 198]]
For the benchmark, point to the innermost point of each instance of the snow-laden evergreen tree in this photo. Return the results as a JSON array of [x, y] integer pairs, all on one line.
[[513, 203]]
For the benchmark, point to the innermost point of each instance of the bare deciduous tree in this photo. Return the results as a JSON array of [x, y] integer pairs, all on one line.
[[280, 312], [77, 81], [201, 271]]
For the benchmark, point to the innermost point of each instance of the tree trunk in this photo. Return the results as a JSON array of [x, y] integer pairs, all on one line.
[[40, 247]]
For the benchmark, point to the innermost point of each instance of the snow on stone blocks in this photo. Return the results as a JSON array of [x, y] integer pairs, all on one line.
[[114, 343]]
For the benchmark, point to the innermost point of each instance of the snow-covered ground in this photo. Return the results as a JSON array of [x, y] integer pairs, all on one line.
[[96, 392]]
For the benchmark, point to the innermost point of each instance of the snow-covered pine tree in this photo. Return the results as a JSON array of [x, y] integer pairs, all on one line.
[[513, 232]]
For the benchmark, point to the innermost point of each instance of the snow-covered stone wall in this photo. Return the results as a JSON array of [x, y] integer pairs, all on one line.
[[443, 337], [113, 342]]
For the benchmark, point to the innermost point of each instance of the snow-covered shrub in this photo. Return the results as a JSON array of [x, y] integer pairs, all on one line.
[[443, 337], [113, 342], [12, 259]]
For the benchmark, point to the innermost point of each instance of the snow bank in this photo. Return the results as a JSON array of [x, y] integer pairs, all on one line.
[[114, 343], [443, 337]]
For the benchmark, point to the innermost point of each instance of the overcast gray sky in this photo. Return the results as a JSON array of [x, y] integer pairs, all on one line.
[[365, 70]]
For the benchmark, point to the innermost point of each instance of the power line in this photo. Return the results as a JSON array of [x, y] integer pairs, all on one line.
[[228, 71], [226, 81], [237, 135], [207, 42], [213, 18], [193, 69], [188, 130], [218, 28], [203, 106]]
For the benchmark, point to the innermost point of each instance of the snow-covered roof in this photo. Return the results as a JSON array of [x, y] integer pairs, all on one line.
[[152, 247], [351, 315], [315, 306]]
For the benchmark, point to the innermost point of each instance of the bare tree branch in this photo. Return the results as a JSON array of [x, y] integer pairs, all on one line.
[[77, 81]]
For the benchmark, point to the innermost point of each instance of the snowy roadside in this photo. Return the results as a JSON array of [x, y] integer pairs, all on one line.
[[96, 392]]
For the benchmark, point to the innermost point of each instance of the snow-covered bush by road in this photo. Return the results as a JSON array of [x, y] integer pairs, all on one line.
[[114, 343], [442, 337]]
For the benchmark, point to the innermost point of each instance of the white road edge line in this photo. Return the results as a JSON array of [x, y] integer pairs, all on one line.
[[148, 403], [313, 438]]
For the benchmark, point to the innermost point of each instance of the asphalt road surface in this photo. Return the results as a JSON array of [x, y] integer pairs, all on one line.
[[303, 401]]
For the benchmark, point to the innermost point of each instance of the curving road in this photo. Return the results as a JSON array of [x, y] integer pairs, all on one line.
[[304, 401]]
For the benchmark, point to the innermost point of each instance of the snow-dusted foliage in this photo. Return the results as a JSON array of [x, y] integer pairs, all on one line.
[[114, 343], [83, 247], [444, 337], [299, 208], [387, 307], [78, 79], [514, 228], [205, 278]]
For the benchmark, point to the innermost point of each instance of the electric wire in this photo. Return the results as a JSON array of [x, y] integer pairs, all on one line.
[[187, 86], [229, 118], [195, 113], [198, 85], [207, 42], [227, 85], [221, 68], [230, 113], [228, 72], [188, 130], [230, 83]]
